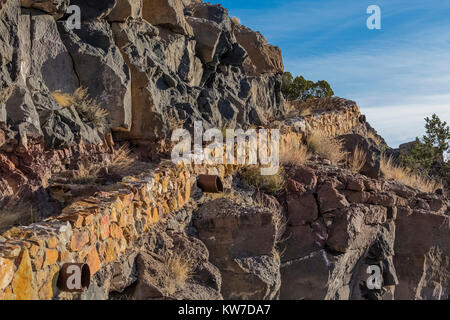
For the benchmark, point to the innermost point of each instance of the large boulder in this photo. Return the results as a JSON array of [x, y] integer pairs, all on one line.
[[168, 13], [422, 255], [241, 240], [207, 35], [265, 57], [157, 279], [125, 9], [56, 8], [305, 279], [371, 166], [101, 69], [53, 64]]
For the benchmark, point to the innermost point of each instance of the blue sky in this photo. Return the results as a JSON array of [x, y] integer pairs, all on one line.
[[398, 75]]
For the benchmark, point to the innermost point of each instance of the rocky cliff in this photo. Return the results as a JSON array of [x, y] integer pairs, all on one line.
[[146, 230]]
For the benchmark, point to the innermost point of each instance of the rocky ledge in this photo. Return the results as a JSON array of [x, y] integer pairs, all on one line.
[[147, 231]]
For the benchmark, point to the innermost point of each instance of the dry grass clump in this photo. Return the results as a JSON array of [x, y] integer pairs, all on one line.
[[89, 172], [407, 177], [86, 174], [294, 152], [269, 184], [236, 20], [178, 269], [356, 160], [375, 138], [121, 160], [63, 99], [85, 106], [326, 147]]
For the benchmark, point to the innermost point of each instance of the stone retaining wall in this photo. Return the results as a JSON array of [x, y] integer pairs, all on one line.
[[99, 229]]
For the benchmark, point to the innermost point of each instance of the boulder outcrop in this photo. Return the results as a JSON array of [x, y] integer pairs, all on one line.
[[145, 229]]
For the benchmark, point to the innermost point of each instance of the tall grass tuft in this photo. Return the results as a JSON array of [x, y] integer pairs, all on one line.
[[395, 172]]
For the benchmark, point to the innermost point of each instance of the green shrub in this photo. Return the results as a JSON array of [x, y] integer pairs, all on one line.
[[301, 89]]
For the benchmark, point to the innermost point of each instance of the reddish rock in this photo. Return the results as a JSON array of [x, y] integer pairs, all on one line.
[[302, 209], [437, 205], [79, 240], [266, 201], [104, 227], [93, 261], [305, 176], [372, 185], [330, 199], [375, 215], [357, 196], [382, 199], [355, 184], [22, 284], [295, 186]]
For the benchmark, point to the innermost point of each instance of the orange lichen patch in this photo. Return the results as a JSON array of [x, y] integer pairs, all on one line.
[[51, 257], [116, 231], [22, 281], [93, 261], [110, 252], [52, 243]]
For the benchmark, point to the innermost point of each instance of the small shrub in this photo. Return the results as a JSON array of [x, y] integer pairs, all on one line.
[[326, 147], [86, 107], [63, 99], [178, 269], [86, 174], [294, 152], [356, 160], [269, 184], [121, 160], [407, 177]]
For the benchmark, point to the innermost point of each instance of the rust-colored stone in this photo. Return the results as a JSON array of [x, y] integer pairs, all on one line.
[[51, 257], [104, 227], [93, 261], [116, 231], [22, 281], [79, 240], [110, 252], [52, 243]]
